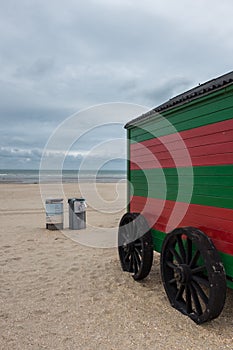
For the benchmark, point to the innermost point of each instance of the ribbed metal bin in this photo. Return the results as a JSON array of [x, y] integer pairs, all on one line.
[[54, 214], [77, 213]]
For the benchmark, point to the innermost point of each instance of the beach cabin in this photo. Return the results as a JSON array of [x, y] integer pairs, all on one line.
[[180, 197]]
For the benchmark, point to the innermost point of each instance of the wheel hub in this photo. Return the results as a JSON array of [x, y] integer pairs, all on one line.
[[129, 247], [183, 274]]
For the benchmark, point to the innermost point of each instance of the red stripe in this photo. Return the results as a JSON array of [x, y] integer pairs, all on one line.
[[207, 145], [165, 216]]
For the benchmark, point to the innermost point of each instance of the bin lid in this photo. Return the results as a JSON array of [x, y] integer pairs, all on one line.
[[71, 200], [53, 200]]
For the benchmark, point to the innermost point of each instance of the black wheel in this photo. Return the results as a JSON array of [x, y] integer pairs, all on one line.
[[193, 275], [135, 245]]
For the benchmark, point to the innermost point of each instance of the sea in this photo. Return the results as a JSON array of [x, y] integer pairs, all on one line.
[[53, 176]]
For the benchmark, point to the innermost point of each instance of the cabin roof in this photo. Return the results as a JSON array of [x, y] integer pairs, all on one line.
[[188, 96]]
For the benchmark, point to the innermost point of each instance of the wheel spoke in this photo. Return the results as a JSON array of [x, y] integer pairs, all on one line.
[[181, 248], [198, 269], [189, 251], [126, 256], [131, 263], [195, 257], [139, 253], [135, 266], [188, 299], [176, 255], [173, 280], [171, 265], [180, 292], [137, 258], [201, 280], [196, 300], [200, 292]]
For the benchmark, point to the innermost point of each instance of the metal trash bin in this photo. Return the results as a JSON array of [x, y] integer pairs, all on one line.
[[77, 213], [54, 214]]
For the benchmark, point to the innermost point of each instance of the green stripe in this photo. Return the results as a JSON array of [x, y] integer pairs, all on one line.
[[212, 185], [191, 115], [158, 238], [226, 259]]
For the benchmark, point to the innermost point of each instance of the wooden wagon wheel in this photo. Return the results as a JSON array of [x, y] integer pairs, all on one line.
[[135, 245], [193, 275]]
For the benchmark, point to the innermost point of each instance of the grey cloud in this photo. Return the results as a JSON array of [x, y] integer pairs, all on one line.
[[24, 158], [19, 158], [58, 58], [39, 69], [29, 128], [20, 153], [166, 90]]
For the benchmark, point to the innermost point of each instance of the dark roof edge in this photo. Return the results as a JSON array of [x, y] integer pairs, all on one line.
[[188, 96]]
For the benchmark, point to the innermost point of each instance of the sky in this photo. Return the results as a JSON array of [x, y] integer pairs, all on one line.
[[59, 58]]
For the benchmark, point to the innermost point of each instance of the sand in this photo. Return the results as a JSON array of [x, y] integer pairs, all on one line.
[[56, 293]]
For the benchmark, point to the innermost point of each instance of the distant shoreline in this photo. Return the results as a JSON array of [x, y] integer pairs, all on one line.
[[18, 176]]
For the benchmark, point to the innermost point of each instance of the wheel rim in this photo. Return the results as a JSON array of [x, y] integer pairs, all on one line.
[[189, 274], [135, 245], [131, 252]]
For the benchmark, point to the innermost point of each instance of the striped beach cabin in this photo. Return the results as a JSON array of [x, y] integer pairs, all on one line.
[[180, 197]]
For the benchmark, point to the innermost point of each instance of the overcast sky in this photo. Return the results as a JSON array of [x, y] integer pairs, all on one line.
[[59, 57]]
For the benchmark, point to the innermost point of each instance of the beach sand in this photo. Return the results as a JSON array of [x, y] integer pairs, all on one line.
[[56, 293]]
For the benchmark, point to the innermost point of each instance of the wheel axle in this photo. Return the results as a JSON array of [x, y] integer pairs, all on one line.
[[183, 274]]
